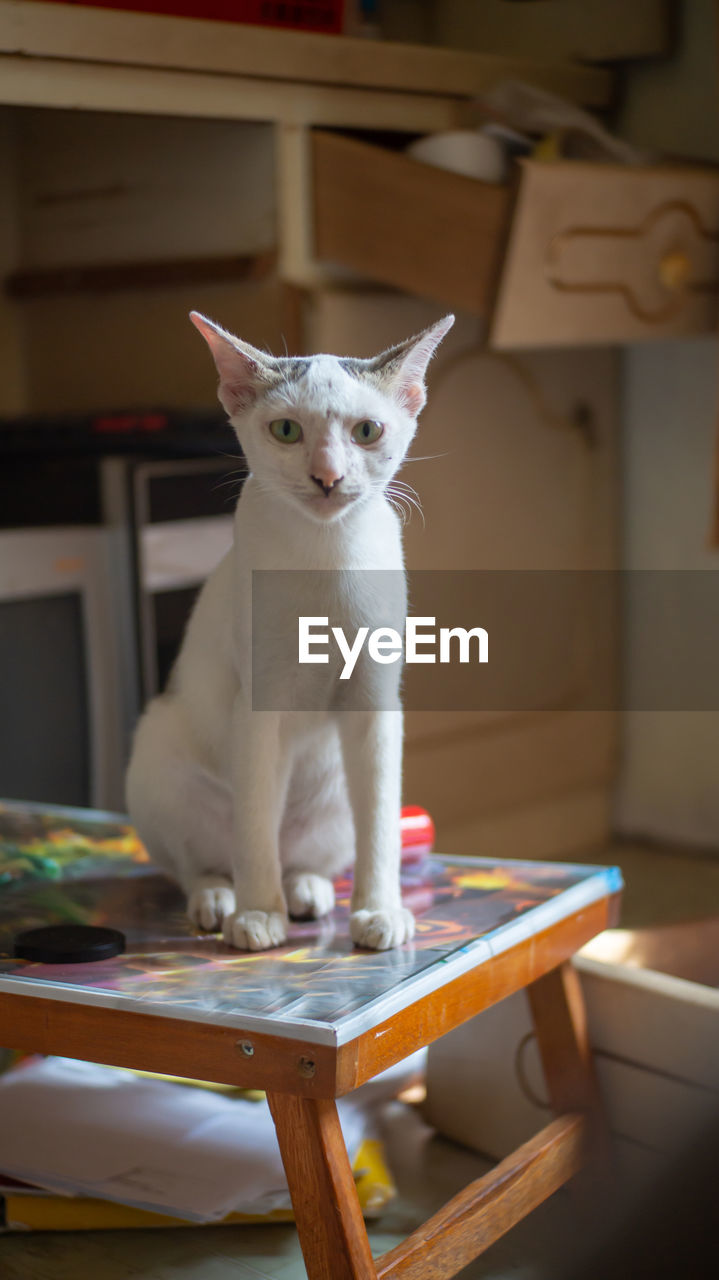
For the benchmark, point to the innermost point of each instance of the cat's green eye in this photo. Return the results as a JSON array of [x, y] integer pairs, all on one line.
[[286, 431], [367, 432]]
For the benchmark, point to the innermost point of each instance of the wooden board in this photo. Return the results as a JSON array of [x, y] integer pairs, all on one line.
[[605, 253], [407, 224], [574, 819], [72, 340], [490, 1206], [667, 1024], [471, 773], [118, 86], [96, 188], [593, 31], [508, 972], [121, 1038], [113, 37]]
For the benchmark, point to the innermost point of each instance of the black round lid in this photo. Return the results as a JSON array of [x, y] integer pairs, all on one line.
[[69, 944]]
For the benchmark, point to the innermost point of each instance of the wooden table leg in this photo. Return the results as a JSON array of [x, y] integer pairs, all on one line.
[[324, 1197], [560, 1021]]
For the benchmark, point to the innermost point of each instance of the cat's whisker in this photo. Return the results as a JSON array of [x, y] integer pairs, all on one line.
[[427, 457], [234, 492], [402, 503], [401, 512], [392, 499], [413, 501], [404, 487], [420, 512], [235, 481], [234, 457], [403, 492]]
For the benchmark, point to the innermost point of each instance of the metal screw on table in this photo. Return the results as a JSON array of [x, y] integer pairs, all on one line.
[[245, 1047]]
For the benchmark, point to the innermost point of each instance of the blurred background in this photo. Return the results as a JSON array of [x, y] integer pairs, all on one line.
[[544, 169]]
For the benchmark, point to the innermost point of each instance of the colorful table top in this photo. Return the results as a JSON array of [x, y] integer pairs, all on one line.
[[62, 866]]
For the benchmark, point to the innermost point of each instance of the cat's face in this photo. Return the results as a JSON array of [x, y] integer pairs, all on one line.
[[323, 432], [324, 437]]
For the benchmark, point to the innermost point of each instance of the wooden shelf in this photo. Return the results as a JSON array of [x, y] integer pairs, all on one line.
[[568, 253], [65, 39], [110, 277]]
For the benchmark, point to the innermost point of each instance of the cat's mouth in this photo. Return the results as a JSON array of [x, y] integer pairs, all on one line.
[[329, 506]]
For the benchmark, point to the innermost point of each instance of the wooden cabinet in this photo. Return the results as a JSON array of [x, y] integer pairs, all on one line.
[[149, 161], [117, 226], [567, 253]]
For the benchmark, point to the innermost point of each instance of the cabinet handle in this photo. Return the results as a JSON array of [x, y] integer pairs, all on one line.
[[674, 269]]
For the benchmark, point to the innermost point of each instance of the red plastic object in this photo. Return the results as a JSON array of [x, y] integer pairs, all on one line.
[[417, 830], [117, 423], [299, 15]]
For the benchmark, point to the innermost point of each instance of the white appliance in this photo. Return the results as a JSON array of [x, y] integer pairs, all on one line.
[[67, 676], [92, 614]]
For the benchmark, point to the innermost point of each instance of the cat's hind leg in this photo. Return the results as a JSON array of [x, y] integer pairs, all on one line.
[[309, 895], [182, 812], [317, 836], [210, 899]]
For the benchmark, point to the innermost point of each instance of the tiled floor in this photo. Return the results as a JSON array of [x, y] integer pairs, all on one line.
[[662, 886]]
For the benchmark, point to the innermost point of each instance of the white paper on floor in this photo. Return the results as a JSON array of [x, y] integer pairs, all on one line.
[[82, 1129]]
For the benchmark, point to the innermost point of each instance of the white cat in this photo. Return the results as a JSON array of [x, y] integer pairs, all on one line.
[[254, 812]]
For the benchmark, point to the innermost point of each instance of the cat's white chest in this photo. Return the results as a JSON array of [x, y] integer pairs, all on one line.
[[288, 568]]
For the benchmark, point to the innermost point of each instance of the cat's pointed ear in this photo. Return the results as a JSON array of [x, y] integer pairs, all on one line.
[[403, 368], [243, 370]]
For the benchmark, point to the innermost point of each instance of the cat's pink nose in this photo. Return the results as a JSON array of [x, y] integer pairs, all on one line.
[[327, 480]]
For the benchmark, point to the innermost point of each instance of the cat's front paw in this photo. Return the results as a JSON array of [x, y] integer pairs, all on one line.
[[255, 930], [380, 930], [309, 896]]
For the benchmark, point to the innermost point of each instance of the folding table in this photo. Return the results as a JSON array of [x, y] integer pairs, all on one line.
[[316, 1018]]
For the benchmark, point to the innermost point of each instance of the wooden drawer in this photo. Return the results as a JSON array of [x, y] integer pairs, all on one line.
[[601, 253], [570, 253], [393, 219]]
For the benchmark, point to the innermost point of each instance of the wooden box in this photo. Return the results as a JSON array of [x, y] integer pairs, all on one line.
[[656, 1044], [569, 253]]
